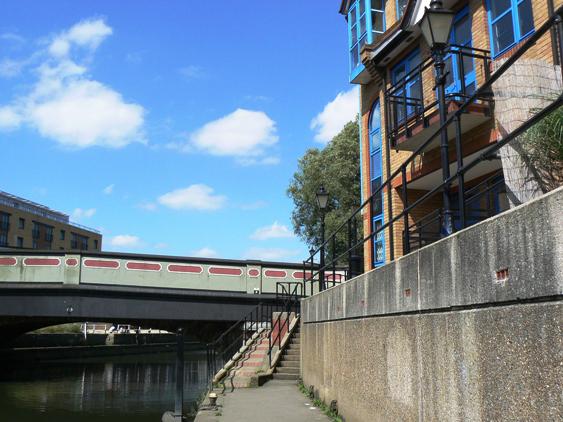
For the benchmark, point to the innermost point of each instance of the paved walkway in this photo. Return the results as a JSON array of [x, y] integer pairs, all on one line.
[[276, 401]]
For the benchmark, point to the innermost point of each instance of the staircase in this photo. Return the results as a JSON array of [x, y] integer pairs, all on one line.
[[289, 365]]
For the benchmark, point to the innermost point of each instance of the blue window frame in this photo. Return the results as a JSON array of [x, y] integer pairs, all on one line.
[[408, 98], [366, 22], [376, 176], [510, 21], [460, 36]]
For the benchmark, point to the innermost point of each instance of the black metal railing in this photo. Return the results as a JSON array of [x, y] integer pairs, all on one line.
[[405, 100], [226, 345], [464, 197], [480, 205], [288, 295]]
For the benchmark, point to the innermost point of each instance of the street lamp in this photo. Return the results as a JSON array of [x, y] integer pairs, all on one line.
[[436, 25], [322, 202]]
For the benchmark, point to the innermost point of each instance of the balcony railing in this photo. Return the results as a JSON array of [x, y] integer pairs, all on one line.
[[481, 202], [406, 104]]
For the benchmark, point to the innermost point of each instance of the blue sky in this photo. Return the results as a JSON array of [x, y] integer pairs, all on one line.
[[173, 127]]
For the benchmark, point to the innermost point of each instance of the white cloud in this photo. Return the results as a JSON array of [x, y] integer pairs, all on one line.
[[329, 122], [12, 37], [161, 245], [192, 72], [243, 134], [68, 106], [253, 205], [85, 113], [275, 231], [205, 252], [126, 241], [80, 213], [10, 68], [147, 206], [9, 118], [270, 254], [195, 197], [87, 33], [108, 190]]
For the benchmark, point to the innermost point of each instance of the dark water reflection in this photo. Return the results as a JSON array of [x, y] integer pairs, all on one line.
[[127, 388]]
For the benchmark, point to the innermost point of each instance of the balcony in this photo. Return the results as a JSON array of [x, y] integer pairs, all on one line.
[[483, 200], [412, 107]]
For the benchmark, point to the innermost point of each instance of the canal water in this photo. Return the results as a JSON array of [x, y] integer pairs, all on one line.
[[130, 388]]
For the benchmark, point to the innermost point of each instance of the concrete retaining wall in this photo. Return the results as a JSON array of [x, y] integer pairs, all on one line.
[[466, 329]]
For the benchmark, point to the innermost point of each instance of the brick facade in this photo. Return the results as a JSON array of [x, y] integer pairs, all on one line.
[[472, 141]]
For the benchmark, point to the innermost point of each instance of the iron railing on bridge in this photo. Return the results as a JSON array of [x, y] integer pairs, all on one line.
[[355, 247]]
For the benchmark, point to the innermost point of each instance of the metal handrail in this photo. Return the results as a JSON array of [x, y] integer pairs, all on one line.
[[462, 168]]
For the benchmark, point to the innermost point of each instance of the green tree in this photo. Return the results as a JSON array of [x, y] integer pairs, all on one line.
[[337, 168]]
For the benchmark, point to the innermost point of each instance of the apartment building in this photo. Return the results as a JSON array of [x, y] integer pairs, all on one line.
[[400, 113], [26, 224]]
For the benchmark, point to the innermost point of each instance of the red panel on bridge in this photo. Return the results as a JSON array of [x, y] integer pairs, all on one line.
[[253, 272], [100, 263], [8, 261], [225, 271], [72, 262], [143, 266], [43, 262], [298, 275], [177, 268], [275, 273]]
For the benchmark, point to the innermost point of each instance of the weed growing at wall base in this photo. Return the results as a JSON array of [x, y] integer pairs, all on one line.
[[321, 405]]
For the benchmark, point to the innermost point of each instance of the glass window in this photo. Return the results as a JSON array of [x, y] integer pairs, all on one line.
[[510, 21], [20, 242], [525, 17], [21, 223], [366, 22], [62, 235], [3, 239], [401, 5]]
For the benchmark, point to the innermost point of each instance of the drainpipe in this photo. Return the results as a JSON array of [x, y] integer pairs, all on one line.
[[554, 34]]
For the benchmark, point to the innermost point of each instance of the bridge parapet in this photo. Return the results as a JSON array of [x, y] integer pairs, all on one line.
[[24, 266]]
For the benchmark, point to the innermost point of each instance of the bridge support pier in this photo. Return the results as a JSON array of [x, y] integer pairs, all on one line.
[[178, 414]]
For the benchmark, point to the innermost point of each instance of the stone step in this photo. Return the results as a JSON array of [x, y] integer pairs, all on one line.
[[287, 370], [292, 352], [287, 377], [289, 363], [291, 358]]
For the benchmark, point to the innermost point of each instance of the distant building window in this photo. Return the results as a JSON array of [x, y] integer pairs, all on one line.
[[96, 244], [21, 223], [20, 242], [49, 234], [4, 221], [62, 235], [510, 21], [78, 242], [34, 244], [3, 239]]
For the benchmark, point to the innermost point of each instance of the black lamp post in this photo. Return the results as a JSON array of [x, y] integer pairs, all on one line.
[[312, 256], [322, 201], [436, 25]]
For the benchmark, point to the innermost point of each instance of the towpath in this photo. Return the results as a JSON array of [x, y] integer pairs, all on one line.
[[276, 401]]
